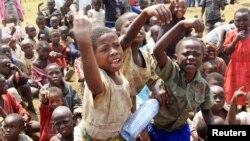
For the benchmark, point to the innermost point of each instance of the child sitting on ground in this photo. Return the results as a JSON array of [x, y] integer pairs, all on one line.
[[54, 75], [219, 114], [63, 123], [31, 32], [13, 126], [50, 99], [39, 65], [58, 52]]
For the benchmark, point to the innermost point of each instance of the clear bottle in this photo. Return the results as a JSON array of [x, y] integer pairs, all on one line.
[[138, 121]]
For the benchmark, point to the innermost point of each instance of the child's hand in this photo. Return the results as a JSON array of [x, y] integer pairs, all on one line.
[[26, 118], [239, 93], [44, 97], [40, 4], [195, 23], [241, 35], [82, 26], [162, 97], [161, 11]]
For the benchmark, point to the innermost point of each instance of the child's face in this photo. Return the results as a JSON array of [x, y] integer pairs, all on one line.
[[219, 98], [208, 68], [189, 56], [32, 32], [40, 24], [5, 66], [44, 53], [55, 37], [180, 9], [6, 51], [109, 53], [54, 23], [154, 34], [3, 87], [210, 52], [124, 28], [64, 124], [54, 74], [241, 20], [64, 34], [11, 128], [51, 4], [55, 100], [97, 5], [27, 49], [68, 2]]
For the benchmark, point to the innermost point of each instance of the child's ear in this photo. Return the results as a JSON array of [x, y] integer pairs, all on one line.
[[175, 56]]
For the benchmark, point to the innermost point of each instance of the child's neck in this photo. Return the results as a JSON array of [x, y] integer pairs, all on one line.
[[32, 38], [56, 44], [189, 77], [69, 137], [59, 85], [14, 138], [115, 77]]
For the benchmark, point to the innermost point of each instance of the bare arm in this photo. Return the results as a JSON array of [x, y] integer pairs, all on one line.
[[221, 38], [202, 12], [231, 115], [166, 39], [160, 11], [208, 116], [83, 30], [241, 35]]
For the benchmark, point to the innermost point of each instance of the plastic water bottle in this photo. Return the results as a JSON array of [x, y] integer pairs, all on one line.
[[138, 121]]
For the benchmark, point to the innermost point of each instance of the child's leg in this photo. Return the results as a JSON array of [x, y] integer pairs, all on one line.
[[26, 92]]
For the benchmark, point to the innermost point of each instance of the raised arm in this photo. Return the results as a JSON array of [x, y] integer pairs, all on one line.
[[162, 13], [166, 39], [83, 31], [231, 115]]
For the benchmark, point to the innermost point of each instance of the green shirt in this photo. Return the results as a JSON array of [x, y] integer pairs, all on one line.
[[183, 97]]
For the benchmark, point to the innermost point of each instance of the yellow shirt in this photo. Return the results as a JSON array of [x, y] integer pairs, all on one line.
[[104, 115]]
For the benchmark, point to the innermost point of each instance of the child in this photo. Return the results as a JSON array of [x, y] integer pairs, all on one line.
[[58, 51], [13, 126], [14, 46], [49, 11], [63, 123], [50, 99], [65, 39], [54, 23], [97, 15], [211, 55], [139, 66], [208, 67], [187, 89], [43, 29], [213, 13], [8, 102], [31, 32], [215, 78], [237, 45], [243, 117], [198, 128], [29, 55], [65, 7], [39, 65], [178, 13], [154, 31], [54, 75], [16, 74], [107, 103]]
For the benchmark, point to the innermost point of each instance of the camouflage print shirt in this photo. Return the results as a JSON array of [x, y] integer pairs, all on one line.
[[183, 97]]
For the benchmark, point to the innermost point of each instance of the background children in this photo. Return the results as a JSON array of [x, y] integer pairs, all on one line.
[[54, 75], [213, 13], [97, 14], [31, 32], [63, 123], [107, 102], [187, 89], [39, 65], [215, 78], [13, 126], [58, 51], [49, 101], [219, 114], [238, 47], [43, 29]]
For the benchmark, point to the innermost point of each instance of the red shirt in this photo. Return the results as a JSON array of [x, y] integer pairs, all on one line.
[[62, 62], [46, 130]]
